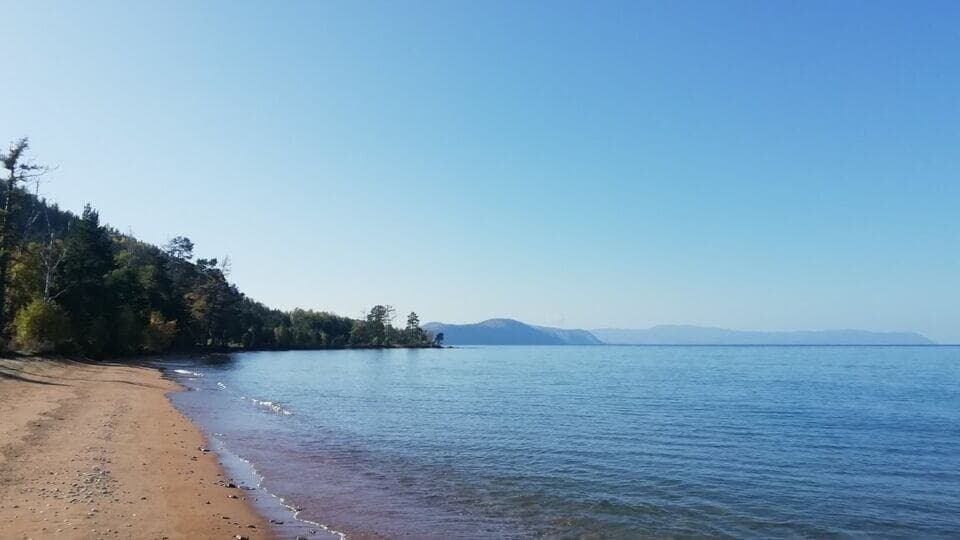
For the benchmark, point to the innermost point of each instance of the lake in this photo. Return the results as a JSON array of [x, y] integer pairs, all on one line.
[[595, 441]]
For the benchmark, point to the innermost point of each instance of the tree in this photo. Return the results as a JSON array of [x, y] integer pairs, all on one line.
[[18, 172], [438, 339], [380, 315], [413, 333], [361, 333], [179, 247], [376, 330], [214, 305], [52, 254], [413, 321], [87, 297], [159, 334], [281, 335]]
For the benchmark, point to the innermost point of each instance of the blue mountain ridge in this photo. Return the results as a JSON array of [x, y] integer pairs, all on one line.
[[513, 332], [509, 332], [700, 335]]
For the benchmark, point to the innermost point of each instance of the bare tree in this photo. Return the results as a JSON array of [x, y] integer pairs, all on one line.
[[226, 266], [52, 255]]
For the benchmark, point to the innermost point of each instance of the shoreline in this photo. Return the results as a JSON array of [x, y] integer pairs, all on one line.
[[98, 450], [283, 515]]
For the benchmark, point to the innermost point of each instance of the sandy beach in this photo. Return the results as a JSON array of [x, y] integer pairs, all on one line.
[[97, 451]]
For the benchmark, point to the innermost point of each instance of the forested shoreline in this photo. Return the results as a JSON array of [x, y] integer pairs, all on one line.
[[69, 284]]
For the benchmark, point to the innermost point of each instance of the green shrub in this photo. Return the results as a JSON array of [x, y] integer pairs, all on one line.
[[41, 326]]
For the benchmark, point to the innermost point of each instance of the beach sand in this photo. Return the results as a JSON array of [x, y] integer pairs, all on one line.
[[97, 451]]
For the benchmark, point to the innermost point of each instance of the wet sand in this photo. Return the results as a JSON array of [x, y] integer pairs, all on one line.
[[97, 451]]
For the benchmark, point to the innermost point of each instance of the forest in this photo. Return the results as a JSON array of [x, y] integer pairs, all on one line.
[[71, 285]]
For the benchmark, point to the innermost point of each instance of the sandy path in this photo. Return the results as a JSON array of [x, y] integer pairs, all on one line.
[[97, 451]]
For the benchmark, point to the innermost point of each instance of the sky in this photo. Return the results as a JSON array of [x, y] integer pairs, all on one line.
[[764, 165]]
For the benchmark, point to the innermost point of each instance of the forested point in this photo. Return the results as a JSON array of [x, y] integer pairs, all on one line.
[[71, 285]]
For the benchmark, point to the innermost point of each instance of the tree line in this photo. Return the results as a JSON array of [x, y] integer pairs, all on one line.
[[70, 284]]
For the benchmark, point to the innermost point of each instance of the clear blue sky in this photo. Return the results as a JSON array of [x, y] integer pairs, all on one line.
[[756, 165]]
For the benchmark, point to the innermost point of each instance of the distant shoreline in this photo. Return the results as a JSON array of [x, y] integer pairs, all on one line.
[[703, 345], [780, 344]]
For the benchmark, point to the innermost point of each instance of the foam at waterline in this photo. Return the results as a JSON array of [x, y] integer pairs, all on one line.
[[239, 466], [187, 372], [270, 405], [262, 403]]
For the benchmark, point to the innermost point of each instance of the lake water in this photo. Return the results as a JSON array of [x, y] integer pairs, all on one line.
[[596, 442]]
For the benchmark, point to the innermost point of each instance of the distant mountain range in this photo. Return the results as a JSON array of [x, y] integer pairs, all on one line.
[[700, 335], [511, 332]]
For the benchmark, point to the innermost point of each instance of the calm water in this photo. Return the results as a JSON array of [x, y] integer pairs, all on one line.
[[598, 442]]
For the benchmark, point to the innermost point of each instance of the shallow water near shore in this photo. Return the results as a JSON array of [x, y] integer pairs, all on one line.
[[595, 442]]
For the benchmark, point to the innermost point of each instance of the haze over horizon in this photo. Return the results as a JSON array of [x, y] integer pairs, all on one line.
[[760, 166]]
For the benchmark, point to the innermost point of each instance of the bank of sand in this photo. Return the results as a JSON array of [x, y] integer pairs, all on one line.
[[97, 451]]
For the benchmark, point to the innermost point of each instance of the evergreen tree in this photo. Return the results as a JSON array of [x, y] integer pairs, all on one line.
[[88, 299]]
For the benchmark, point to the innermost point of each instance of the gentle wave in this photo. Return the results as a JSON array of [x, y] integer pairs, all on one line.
[[270, 405]]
